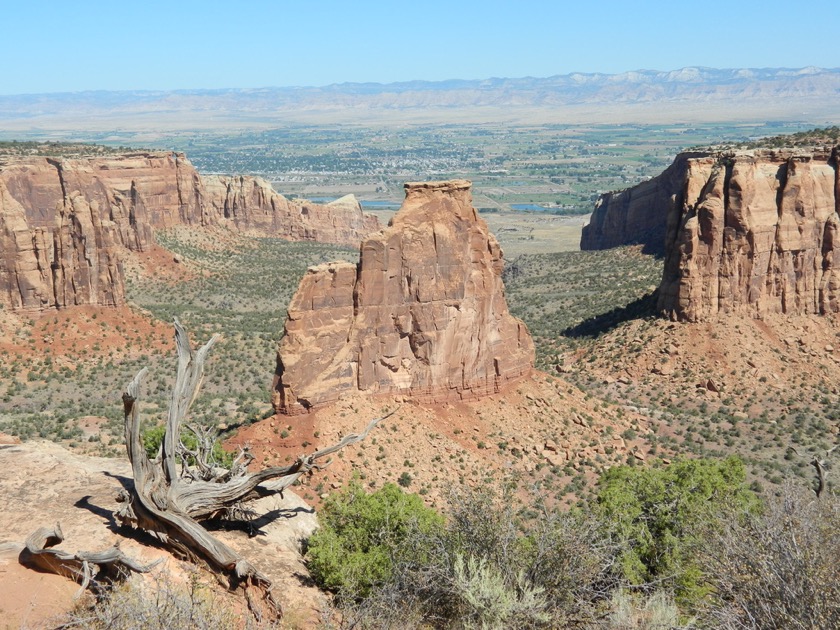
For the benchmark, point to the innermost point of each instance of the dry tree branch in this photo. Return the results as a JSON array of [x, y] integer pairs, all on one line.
[[821, 468], [169, 504], [91, 568]]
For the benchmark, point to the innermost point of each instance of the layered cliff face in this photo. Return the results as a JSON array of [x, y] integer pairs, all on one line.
[[74, 263], [138, 192], [637, 215], [754, 232], [63, 220], [251, 204], [422, 314]]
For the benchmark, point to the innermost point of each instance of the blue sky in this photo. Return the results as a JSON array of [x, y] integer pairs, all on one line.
[[146, 44]]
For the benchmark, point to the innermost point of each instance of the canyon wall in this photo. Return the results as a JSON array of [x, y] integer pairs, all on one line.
[[250, 204], [637, 215], [73, 263], [62, 221], [754, 232], [423, 313]]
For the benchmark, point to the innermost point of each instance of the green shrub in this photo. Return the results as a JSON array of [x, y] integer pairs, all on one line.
[[153, 437], [405, 480], [660, 513], [494, 567], [491, 601], [361, 535]]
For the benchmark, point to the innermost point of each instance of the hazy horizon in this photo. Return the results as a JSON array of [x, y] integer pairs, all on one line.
[[96, 46], [795, 71]]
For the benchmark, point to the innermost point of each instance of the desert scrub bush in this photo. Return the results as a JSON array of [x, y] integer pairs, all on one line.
[[777, 569], [160, 605], [492, 566], [490, 601], [362, 534], [153, 436], [661, 513], [657, 611]]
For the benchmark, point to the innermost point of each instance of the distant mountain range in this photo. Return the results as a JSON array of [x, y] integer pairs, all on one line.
[[780, 92]]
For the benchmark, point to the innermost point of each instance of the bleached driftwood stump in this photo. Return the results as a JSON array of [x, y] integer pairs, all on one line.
[[180, 487]]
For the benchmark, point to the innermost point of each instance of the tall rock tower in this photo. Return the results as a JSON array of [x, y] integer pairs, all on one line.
[[422, 314]]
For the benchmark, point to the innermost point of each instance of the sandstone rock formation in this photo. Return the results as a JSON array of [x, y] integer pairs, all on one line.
[[75, 263], [636, 215], [63, 220], [251, 204], [422, 314], [86, 268], [138, 192], [754, 232]]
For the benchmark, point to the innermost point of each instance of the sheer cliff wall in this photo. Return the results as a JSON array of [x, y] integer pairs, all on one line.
[[64, 221], [753, 231]]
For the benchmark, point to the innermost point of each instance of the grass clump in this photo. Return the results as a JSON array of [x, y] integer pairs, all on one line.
[[162, 604]]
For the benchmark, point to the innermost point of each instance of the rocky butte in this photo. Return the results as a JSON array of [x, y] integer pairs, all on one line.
[[63, 220], [423, 313], [752, 232]]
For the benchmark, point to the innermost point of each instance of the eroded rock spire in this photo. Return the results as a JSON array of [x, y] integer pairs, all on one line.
[[423, 313]]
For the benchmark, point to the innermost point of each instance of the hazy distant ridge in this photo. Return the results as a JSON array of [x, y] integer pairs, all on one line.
[[757, 87]]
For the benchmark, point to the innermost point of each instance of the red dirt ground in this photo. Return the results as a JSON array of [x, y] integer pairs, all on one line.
[[486, 441]]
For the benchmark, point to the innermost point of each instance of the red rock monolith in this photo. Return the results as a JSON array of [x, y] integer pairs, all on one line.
[[422, 314]]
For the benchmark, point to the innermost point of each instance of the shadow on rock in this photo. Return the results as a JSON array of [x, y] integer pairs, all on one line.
[[106, 514], [253, 527], [595, 326], [126, 482]]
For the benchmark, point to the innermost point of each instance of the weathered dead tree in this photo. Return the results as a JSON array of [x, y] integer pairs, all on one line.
[[92, 569], [169, 503]]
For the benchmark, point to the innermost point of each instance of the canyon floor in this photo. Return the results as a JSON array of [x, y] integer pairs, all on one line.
[[739, 385], [614, 384]]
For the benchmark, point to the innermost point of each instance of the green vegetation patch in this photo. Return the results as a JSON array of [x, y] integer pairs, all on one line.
[[660, 515], [15, 148], [567, 297], [360, 535]]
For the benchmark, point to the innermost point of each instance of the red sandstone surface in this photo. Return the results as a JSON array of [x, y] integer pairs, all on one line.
[[422, 314], [64, 221]]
